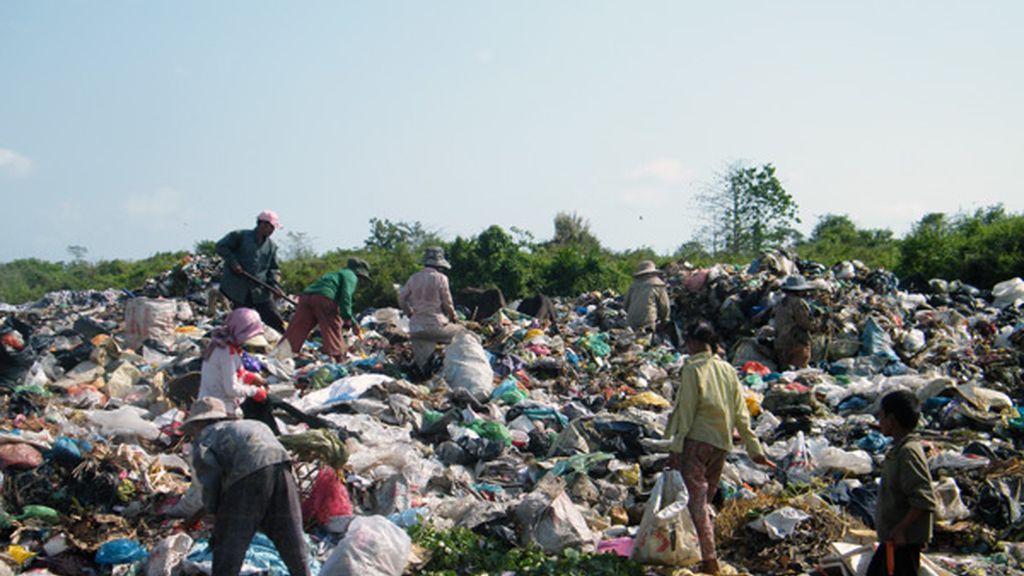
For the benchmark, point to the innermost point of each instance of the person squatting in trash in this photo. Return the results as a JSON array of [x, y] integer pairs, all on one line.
[[646, 301], [327, 304], [252, 252], [427, 300], [224, 376], [248, 485], [709, 405], [793, 324], [906, 499]]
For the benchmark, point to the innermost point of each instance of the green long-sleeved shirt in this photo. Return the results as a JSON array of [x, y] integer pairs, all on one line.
[[339, 286], [906, 484], [709, 405]]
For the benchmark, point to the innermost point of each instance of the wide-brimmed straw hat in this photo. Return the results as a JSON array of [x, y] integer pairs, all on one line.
[[434, 256], [204, 409], [796, 283], [646, 268]]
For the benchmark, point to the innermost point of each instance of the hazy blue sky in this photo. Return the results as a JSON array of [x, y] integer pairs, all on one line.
[[136, 127]]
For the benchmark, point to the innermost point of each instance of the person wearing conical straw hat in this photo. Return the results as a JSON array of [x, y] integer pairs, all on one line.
[[793, 324], [646, 301], [427, 299]]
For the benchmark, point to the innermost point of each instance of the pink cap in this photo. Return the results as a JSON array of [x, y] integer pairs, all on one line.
[[271, 217]]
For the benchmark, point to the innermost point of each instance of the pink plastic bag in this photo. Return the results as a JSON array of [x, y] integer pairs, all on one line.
[[621, 546], [328, 498], [19, 455]]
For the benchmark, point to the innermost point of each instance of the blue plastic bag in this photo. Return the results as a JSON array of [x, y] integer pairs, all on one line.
[[123, 551]]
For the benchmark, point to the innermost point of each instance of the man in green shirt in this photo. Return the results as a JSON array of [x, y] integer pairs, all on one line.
[[327, 303], [906, 499]]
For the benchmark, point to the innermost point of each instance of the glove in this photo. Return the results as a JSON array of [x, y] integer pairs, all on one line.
[[260, 396]]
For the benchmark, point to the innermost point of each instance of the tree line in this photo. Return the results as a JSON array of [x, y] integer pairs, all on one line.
[[748, 211]]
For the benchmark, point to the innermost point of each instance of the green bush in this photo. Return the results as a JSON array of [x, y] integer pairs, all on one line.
[[981, 248]]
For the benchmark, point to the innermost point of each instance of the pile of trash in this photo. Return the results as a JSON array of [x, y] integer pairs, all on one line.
[[546, 438]]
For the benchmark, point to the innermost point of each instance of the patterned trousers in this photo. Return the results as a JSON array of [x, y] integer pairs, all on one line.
[[701, 468]]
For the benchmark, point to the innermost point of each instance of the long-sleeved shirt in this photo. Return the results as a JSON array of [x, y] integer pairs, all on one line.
[[792, 323], [427, 300], [646, 302], [227, 451], [223, 377], [709, 405], [339, 286], [242, 247], [906, 484]]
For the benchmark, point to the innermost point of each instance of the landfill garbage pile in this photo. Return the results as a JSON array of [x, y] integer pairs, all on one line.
[[545, 440]]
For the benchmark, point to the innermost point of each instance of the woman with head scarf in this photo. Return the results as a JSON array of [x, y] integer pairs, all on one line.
[[223, 375], [709, 406]]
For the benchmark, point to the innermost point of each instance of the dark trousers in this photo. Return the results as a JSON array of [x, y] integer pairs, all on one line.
[[266, 500], [907, 560]]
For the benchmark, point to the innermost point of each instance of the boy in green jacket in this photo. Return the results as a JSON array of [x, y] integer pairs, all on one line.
[[906, 500]]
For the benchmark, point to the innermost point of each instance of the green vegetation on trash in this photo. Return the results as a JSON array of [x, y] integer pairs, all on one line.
[[462, 552]]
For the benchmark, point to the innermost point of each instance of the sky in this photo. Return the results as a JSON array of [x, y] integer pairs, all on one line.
[[132, 128]]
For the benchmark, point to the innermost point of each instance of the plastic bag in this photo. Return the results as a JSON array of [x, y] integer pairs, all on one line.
[[549, 519], [126, 420], [121, 551], [667, 534], [876, 342], [466, 366], [949, 507], [327, 498], [19, 455], [781, 523], [168, 554], [372, 546], [1008, 293]]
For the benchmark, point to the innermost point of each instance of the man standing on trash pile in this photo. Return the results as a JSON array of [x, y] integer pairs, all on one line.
[[646, 302], [327, 303], [793, 325], [906, 499], [427, 300], [224, 376], [709, 405], [248, 485], [251, 275]]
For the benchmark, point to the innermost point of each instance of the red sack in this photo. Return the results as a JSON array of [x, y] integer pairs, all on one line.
[[328, 498], [19, 455]]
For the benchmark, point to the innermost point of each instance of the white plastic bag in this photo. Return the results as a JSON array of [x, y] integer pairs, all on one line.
[[125, 421], [167, 555], [949, 507], [549, 519], [781, 523], [466, 366], [667, 534], [372, 546], [1008, 293]]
